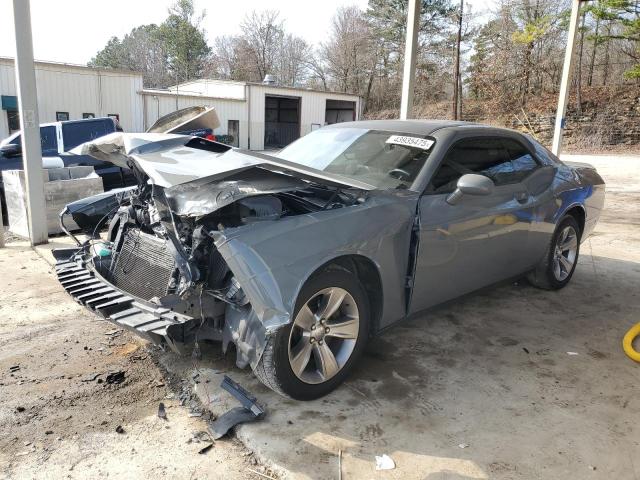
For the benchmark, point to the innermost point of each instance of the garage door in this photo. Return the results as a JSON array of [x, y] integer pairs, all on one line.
[[282, 121]]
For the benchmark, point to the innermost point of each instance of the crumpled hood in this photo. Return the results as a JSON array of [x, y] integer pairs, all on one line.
[[169, 160]]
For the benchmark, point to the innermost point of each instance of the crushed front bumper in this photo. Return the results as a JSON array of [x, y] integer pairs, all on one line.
[[157, 324]]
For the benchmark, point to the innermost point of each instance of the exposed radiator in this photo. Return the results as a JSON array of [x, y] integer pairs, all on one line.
[[144, 265]]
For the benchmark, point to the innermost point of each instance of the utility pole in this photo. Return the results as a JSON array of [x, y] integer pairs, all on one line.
[[457, 90], [565, 82], [29, 123], [410, 50]]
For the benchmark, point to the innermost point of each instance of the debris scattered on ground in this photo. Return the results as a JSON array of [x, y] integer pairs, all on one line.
[[20, 409], [195, 414], [162, 413], [200, 436], [572, 353], [463, 445], [220, 427], [526, 350], [205, 449], [339, 464], [115, 377], [591, 467], [119, 429], [185, 395], [249, 412], [263, 475], [14, 368], [385, 462], [48, 432], [92, 378]]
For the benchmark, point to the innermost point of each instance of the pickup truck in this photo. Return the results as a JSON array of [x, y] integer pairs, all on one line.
[[56, 139], [60, 137]]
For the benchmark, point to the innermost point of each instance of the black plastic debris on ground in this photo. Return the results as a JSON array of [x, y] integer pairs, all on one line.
[[115, 377], [249, 412], [162, 413], [119, 429]]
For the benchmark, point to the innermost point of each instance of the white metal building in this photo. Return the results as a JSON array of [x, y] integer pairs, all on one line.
[[70, 92], [258, 116]]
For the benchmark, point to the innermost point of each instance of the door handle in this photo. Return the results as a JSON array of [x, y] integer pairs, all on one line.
[[521, 197]]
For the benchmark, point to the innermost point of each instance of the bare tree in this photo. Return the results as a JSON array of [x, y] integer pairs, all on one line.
[[262, 34]]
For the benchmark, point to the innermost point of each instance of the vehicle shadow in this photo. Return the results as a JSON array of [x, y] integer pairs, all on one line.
[[514, 382]]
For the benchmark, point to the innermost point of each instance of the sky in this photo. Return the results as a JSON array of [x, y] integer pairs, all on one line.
[[73, 31]]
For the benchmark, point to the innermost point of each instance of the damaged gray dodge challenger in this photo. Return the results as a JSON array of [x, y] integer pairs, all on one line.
[[298, 260]]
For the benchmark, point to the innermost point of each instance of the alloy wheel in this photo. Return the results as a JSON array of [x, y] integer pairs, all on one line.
[[565, 252], [323, 335]]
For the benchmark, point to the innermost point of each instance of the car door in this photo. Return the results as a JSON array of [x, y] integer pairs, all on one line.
[[537, 178], [477, 241]]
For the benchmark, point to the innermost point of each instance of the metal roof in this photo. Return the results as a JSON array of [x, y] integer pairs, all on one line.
[[11, 60], [185, 86]]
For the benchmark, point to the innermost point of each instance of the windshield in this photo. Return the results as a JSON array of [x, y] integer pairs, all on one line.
[[382, 159]]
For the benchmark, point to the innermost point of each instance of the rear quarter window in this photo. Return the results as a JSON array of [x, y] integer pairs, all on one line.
[[544, 154]]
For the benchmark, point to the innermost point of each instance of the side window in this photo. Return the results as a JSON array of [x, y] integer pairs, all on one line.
[[485, 156], [48, 141], [522, 161]]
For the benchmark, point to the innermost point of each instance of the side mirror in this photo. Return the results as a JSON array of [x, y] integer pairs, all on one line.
[[11, 150], [471, 184]]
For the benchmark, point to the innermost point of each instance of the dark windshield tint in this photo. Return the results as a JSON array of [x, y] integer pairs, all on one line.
[[75, 133], [48, 141], [369, 156]]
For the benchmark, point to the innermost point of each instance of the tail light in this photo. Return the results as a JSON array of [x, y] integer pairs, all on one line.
[[211, 137]]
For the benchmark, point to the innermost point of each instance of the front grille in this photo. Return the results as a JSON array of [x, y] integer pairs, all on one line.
[[144, 265]]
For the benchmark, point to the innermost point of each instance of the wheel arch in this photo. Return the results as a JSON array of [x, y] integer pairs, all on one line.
[[578, 212], [368, 273]]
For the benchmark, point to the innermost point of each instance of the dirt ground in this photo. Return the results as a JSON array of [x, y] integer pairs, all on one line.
[[510, 383], [59, 414]]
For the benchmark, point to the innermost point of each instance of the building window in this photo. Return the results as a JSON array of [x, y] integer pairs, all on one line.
[[88, 115], [13, 119], [62, 116]]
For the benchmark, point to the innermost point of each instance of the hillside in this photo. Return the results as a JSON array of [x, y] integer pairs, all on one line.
[[609, 120]]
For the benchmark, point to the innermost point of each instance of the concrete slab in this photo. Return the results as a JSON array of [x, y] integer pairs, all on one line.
[[491, 373]]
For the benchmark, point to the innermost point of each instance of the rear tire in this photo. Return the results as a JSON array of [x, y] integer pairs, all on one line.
[[559, 262], [317, 377]]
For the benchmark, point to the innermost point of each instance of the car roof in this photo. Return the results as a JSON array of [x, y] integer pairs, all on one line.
[[417, 127]]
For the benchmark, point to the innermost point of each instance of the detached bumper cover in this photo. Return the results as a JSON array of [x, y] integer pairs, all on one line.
[[155, 323]]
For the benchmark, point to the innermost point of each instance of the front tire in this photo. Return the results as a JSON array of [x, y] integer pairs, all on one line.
[[312, 355], [559, 262]]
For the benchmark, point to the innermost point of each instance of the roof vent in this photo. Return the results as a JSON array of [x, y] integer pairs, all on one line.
[[269, 79]]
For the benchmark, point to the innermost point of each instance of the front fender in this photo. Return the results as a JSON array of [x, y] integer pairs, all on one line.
[[273, 260]]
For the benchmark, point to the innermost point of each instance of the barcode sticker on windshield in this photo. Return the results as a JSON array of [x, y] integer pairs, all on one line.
[[422, 143]]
